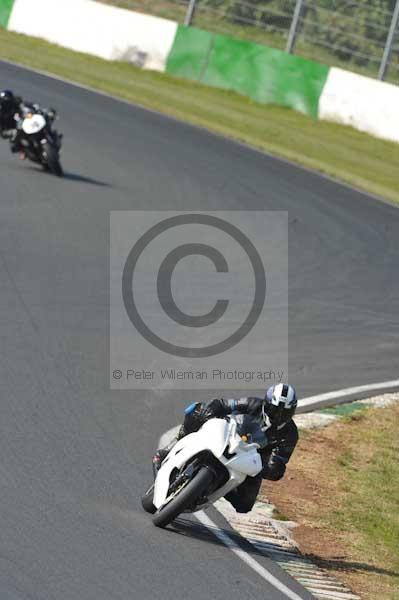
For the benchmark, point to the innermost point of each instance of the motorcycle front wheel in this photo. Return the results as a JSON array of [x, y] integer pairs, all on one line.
[[184, 498], [52, 160], [146, 500]]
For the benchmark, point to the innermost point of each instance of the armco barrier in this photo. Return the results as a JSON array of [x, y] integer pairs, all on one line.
[[264, 74]]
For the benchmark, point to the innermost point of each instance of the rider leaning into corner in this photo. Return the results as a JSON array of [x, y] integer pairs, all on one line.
[[12, 109], [273, 413]]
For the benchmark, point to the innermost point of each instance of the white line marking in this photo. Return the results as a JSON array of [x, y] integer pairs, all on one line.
[[360, 389], [245, 557]]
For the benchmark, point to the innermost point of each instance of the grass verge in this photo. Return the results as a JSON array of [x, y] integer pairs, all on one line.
[[343, 152], [342, 489]]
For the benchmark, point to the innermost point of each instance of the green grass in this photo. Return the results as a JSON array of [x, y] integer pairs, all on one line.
[[279, 516], [369, 476], [343, 490], [342, 152]]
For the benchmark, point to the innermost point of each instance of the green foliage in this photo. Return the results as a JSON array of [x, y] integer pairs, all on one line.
[[272, 15], [354, 31]]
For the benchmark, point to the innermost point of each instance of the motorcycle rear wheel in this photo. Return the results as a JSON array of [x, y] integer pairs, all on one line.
[[184, 499]]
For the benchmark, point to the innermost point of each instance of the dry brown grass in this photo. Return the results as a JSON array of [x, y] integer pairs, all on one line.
[[342, 488]]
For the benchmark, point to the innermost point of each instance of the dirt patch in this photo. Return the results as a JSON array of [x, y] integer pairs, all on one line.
[[318, 492]]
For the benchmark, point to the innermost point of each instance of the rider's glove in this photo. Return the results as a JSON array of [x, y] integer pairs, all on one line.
[[274, 468], [213, 409], [193, 418]]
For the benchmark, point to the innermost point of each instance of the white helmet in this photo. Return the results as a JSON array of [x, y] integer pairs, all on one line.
[[279, 405]]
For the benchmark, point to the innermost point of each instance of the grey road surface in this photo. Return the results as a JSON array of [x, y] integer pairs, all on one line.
[[74, 455]]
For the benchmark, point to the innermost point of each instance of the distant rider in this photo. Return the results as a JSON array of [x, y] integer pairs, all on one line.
[[274, 415], [12, 112]]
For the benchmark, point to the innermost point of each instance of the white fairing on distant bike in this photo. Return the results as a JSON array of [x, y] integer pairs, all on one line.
[[215, 436], [33, 124]]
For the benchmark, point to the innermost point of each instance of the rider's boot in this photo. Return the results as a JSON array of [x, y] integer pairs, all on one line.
[[162, 453], [14, 142]]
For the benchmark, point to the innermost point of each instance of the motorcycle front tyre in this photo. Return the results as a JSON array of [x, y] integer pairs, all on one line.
[[146, 501], [52, 160], [187, 497]]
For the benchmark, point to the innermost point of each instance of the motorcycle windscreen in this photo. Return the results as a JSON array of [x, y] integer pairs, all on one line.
[[251, 427]]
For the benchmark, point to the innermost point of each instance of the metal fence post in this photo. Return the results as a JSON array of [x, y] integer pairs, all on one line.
[[190, 12], [294, 26], [388, 46]]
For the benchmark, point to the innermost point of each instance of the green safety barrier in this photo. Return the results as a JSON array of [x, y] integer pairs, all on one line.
[[189, 55], [5, 11], [264, 74]]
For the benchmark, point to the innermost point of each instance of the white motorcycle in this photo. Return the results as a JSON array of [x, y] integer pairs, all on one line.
[[205, 466], [39, 142]]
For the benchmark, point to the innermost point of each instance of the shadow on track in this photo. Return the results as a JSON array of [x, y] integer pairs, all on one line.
[[85, 179], [192, 529], [68, 176]]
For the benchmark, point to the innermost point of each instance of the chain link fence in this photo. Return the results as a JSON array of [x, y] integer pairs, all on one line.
[[359, 35]]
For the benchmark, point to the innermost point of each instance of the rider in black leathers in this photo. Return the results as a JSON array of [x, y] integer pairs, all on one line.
[[273, 414], [12, 109]]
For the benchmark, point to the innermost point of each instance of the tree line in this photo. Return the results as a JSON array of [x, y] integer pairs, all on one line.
[[352, 30]]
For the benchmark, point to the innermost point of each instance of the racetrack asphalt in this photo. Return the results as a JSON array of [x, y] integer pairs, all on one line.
[[75, 455]]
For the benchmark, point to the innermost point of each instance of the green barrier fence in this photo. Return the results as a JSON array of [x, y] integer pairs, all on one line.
[[189, 55], [5, 11], [264, 74]]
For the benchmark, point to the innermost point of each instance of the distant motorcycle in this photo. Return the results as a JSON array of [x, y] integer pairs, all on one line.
[[38, 141], [205, 466]]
